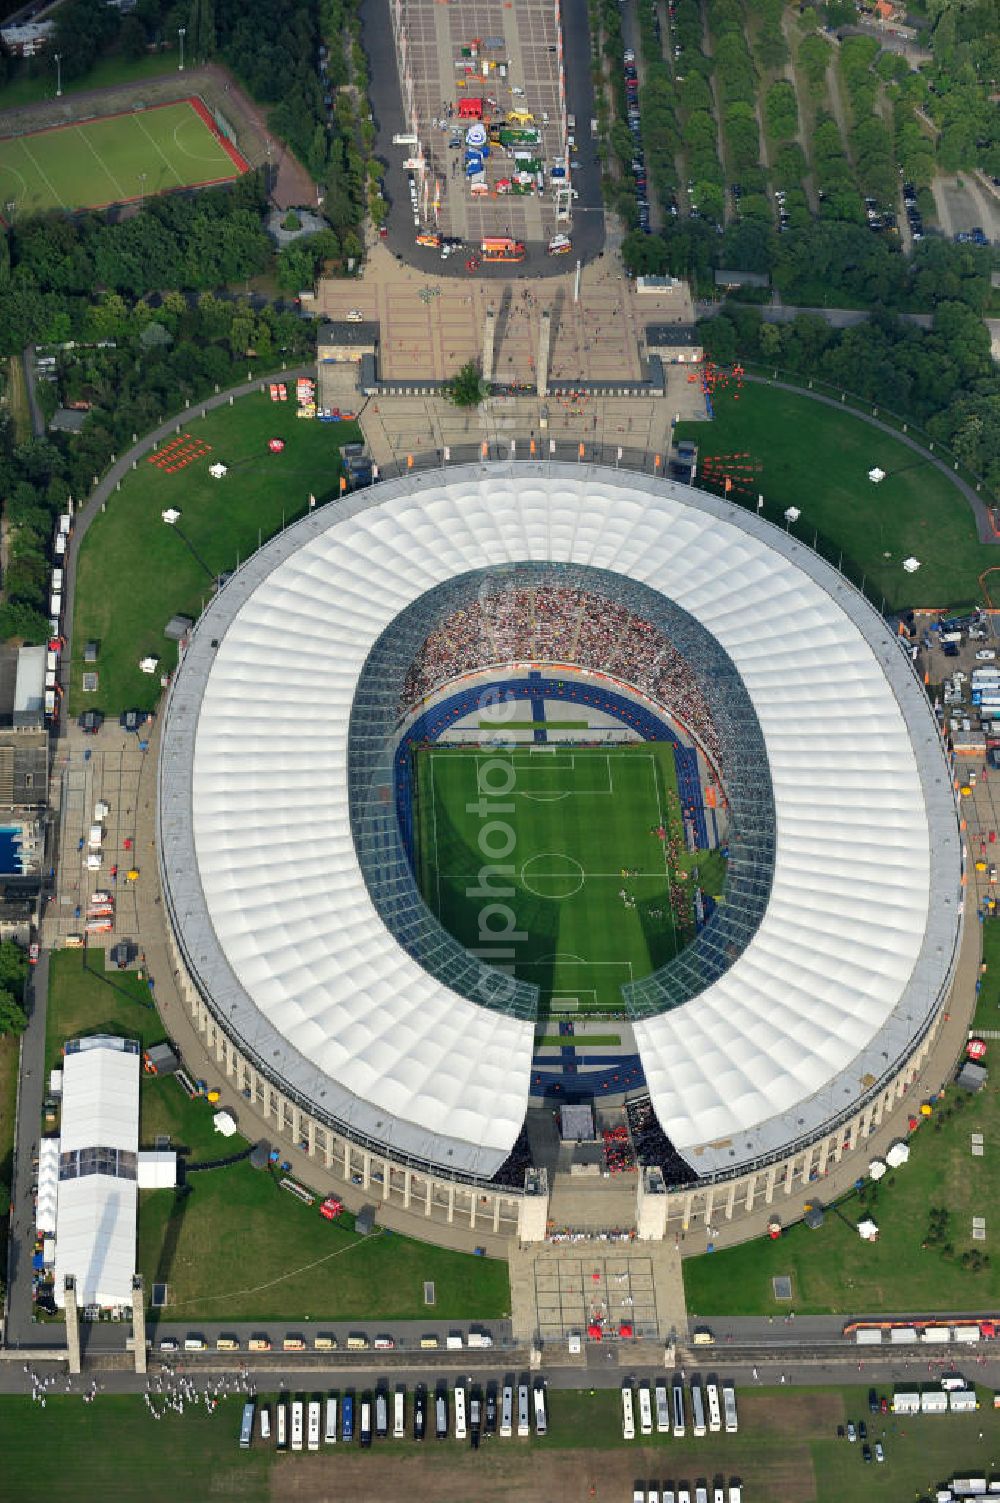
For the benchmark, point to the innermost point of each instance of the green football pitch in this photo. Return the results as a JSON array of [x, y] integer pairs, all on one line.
[[564, 824], [114, 159]]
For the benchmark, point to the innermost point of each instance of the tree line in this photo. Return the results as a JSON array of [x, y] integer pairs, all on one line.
[[943, 378], [129, 312]]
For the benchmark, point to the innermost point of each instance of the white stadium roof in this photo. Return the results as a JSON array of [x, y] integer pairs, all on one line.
[[860, 933]]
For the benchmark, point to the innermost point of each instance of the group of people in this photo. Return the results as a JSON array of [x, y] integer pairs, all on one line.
[[651, 1144], [554, 623], [618, 1155], [170, 1391], [43, 1383]]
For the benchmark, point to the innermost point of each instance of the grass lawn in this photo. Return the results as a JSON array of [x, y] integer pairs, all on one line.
[[988, 1003], [239, 1247], [134, 572], [786, 1449], [585, 1041], [38, 81], [114, 160], [86, 998], [817, 458], [834, 1271], [580, 818], [113, 1449]]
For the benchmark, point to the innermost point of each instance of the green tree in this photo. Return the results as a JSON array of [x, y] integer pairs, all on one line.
[[13, 1018], [201, 28], [13, 966], [467, 387], [132, 42]]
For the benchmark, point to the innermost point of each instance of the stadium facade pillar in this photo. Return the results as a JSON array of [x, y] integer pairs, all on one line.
[[496, 1215], [651, 1205], [824, 1154], [806, 1165], [451, 1204], [544, 346], [772, 1175], [472, 1210], [789, 1176], [533, 1209], [709, 1203], [407, 1188], [430, 1198], [730, 1201], [139, 1323], [751, 1187], [688, 1205], [73, 1354], [366, 1170], [489, 344], [386, 1179]]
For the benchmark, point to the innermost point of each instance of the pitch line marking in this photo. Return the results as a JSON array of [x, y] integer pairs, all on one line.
[[193, 155], [437, 858], [14, 173], [41, 172], [101, 162], [158, 148]]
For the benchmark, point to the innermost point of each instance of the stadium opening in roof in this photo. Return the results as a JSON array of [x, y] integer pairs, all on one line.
[[723, 778]]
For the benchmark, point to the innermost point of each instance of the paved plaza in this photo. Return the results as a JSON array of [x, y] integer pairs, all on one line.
[[431, 324], [559, 1289], [441, 70], [108, 768]]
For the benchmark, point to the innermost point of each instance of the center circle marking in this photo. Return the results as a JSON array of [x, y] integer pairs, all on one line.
[[553, 875]]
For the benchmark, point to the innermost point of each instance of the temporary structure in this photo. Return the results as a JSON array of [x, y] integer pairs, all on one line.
[[898, 1154], [876, 1169], [868, 1229]]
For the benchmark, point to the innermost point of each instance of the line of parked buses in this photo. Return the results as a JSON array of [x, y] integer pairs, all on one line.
[[711, 1408], [463, 1411]]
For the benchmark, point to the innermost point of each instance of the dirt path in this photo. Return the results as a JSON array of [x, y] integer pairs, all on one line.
[[706, 37], [837, 106], [806, 110]]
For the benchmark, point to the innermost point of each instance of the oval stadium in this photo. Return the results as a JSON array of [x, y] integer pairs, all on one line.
[[505, 788]]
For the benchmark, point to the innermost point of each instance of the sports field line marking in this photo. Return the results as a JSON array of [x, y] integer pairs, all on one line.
[[157, 147], [41, 172], [4, 197], [437, 860], [663, 843], [616, 875], [101, 162], [193, 155]]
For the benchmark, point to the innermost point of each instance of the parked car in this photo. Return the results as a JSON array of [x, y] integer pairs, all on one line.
[[852, 1434], [866, 1452], [879, 1453]]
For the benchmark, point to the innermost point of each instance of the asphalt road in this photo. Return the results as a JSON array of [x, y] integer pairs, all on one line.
[[387, 107]]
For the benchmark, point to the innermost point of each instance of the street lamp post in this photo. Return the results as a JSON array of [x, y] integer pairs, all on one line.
[[58, 58], [181, 32]]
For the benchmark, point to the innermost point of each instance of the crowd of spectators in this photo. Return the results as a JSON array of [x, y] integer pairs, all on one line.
[[555, 624], [510, 1175], [651, 1144], [618, 1155]]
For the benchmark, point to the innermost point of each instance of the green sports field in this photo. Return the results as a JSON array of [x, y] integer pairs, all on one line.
[[571, 823], [113, 160]]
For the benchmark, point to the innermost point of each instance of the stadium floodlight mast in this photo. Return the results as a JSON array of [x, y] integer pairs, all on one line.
[[181, 33], [58, 62], [142, 190]]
